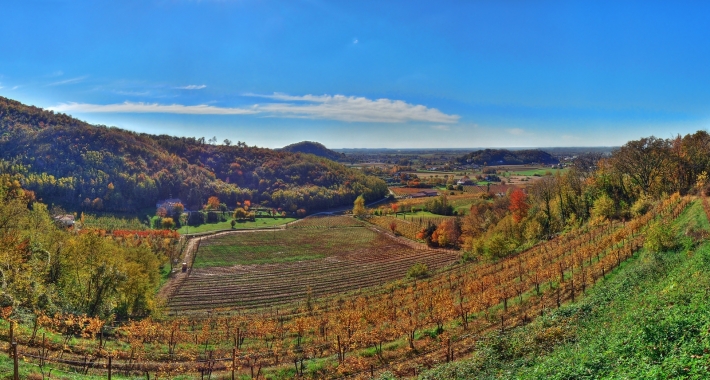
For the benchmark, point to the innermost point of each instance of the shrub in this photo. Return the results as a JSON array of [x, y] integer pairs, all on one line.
[[418, 270], [661, 236], [640, 207]]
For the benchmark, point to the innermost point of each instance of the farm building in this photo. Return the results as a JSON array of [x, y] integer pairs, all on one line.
[[65, 220], [424, 193], [168, 204]]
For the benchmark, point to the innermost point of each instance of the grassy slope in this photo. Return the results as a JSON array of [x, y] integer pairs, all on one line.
[[650, 319], [224, 226], [267, 247]]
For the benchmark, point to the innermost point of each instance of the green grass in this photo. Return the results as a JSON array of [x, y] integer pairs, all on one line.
[[281, 246], [419, 214], [532, 172], [649, 320], [259, 223], [32, 371]]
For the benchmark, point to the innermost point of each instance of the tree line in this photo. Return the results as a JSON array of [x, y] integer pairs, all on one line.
[[97, 168]]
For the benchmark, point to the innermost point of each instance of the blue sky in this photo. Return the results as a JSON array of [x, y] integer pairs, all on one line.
[[355, 74]]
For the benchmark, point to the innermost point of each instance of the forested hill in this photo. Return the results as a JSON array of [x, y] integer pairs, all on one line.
[[81, 166], [312, 147], [507, 157]]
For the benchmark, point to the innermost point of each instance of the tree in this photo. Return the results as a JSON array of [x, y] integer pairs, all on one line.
[[543, 191], [167, 223], [603, 207], [643, 161], [519, 205], [359, 206], [240, 214], [212, 203]]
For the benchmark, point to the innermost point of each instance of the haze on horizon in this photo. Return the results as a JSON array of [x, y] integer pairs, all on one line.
[[367, 74]]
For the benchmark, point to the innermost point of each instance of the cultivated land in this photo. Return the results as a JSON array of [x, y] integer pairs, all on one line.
[[323, 255], [245, 224], [457, 313]]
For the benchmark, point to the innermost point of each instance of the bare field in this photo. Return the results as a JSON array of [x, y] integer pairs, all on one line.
[[265, 268]]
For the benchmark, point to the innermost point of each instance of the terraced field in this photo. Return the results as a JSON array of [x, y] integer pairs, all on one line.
[[260, 268]]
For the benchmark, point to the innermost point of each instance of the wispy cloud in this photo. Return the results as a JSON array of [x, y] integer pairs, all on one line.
[[133, 93], [352, 109], [15, 87], [327, 107], [441, 127], [68, 81], [355, 41], [130, 107], [516, 131], [192, 87]]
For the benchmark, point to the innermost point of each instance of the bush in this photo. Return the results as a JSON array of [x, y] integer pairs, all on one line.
[[418, 270], [661, 236], [640, 207]]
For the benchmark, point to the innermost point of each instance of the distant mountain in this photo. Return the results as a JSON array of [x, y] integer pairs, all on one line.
[[80, 166], [493, 157], [312, 147]]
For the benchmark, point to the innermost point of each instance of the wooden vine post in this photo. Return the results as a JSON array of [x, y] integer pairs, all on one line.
[[16, 368]]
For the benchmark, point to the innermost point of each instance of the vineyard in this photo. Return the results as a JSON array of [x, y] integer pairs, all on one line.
[[111, 223], [317, 256], [408, 227], [401, 327], [318, 222]]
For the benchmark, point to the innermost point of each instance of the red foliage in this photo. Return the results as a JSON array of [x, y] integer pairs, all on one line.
[[212, 203], [519, 205]]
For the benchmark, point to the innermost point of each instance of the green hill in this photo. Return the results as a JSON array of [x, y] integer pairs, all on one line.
[[80, 166], [493, 157], [315, 148]]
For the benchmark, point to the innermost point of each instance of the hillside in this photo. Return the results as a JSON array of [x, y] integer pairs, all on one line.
[[315, 148], [649, 319], [81, 166], [493, 157]]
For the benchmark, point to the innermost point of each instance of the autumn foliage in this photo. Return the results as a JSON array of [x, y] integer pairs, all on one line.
[[519, 205]]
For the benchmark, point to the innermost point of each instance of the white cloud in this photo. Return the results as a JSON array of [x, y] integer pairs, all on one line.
[[327, 107], [15, 87], [441, 127], [516, 131], [355, 41], [68, 81], [192, 87], [352, 109], [130, 107]]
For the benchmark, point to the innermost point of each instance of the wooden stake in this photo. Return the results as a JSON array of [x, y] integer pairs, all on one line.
[[234, 358], [15, 365]]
